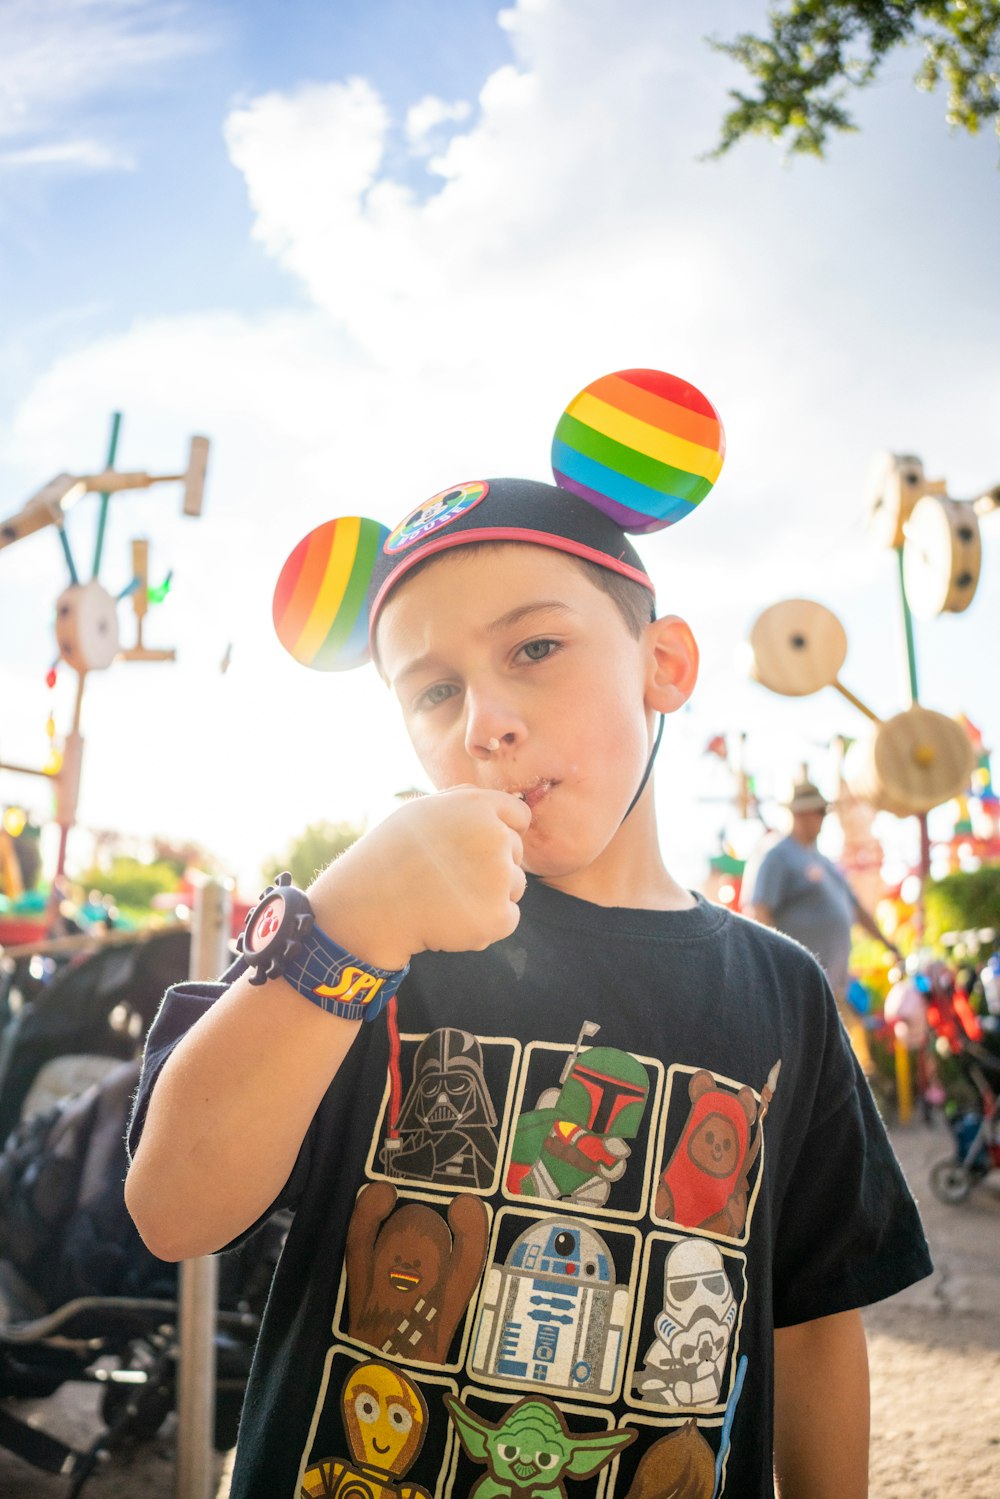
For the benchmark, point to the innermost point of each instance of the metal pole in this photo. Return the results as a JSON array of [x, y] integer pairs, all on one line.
[[102, 518], [911, 666], [911, 652], [67, 796], [199, 1278]]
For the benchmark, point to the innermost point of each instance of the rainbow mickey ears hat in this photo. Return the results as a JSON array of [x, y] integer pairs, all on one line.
[[634, 451]]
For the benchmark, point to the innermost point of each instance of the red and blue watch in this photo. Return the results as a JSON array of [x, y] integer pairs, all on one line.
[[281, 940]]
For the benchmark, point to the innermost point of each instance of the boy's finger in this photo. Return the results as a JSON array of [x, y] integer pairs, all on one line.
[[512, 810]]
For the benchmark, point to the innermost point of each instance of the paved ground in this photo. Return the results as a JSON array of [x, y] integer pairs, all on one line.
[[935, 1359]]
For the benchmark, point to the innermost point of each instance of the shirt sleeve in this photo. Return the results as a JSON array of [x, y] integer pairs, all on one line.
[[182, 1006], [848, 1231]]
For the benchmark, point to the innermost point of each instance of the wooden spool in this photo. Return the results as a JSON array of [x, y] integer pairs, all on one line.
[[798, 647], [87, 627], [942, 556], [913, 762], [895, 484]]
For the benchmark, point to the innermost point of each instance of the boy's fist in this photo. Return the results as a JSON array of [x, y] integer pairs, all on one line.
[[443, 873]]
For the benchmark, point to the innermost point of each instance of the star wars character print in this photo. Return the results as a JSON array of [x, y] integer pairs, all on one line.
[[545, 1276]]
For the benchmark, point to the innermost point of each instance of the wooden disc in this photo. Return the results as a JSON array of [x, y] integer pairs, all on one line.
[[798, 647], [895, 483], [87, 626], [913, 762], [942, 556]]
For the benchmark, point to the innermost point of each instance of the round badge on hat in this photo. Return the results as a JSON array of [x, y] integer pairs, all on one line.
[[633, 452]]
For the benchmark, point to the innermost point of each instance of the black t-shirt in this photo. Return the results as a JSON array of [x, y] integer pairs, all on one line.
[[549, 1214]]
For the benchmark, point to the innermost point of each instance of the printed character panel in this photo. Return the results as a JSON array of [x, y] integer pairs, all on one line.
[[447, 1105], [554, 1308], [377, 1432], [529, 1448], [410, 1271], [679, 1461], [711, 1152], [582, 1133], [692, 1294]]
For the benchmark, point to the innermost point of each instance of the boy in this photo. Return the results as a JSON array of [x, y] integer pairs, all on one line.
[[610, 1188]]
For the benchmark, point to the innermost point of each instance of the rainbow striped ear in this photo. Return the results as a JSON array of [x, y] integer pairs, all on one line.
[[323, 594], [642, 446]]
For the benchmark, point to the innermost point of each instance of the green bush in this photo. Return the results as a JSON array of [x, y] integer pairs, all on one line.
[[313, 850], [130, 882], [962, 902]]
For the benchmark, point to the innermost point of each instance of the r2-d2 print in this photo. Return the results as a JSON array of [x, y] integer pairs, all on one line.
[[552, 1315], [685, 1362]]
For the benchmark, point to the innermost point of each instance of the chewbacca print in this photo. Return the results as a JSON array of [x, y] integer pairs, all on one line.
[[411, 1275]]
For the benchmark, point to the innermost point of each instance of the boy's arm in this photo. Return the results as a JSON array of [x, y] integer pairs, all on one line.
[[232, 1105], [821, 1409]]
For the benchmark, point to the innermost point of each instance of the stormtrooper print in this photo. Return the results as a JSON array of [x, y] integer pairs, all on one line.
[[685, 1363]]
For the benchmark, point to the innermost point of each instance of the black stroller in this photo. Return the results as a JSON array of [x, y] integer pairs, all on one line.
[[81, 1298], [976, 1133]]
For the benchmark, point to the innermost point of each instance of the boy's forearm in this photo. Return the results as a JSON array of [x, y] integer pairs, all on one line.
[[821, 1409], [232, 1105], [228, 1115]]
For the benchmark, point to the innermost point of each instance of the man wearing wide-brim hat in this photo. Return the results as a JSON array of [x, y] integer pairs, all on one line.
[[801, 893]]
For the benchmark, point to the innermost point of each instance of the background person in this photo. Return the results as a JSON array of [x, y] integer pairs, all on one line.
[[802, 893]]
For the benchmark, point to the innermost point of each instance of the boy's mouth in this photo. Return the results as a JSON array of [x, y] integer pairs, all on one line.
[[534, 792]]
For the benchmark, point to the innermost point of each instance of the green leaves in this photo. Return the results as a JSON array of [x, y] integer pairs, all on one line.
[[818, 50]]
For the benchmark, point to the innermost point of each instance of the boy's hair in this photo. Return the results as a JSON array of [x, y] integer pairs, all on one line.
[[632, 600]]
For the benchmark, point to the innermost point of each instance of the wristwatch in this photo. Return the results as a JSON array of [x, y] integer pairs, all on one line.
[[281, 939]]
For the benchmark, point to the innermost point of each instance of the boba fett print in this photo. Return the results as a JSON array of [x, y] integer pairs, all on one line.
[[573, 1141]]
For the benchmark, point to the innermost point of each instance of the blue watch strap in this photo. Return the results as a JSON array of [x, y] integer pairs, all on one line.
[[337, 981], [281, 940]]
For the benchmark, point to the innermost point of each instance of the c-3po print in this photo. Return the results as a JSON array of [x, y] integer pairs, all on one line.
[[385, 1419]]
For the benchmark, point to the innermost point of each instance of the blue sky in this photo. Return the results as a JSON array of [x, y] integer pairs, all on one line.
[[374, 248]]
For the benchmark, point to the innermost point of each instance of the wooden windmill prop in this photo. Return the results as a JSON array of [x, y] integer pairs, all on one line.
[[917, 759], [910, 762], [86, 623]]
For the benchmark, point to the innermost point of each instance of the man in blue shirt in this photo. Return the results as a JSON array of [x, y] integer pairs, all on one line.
[[800, 892]]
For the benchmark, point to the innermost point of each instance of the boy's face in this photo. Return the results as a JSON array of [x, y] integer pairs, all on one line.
[[515, 673]]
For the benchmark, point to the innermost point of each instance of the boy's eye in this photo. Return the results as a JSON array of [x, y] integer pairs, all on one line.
[[537, 650], [439, 693]]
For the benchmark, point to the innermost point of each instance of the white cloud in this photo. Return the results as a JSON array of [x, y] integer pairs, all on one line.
[[79, 155], [57, 56], [424, 119]]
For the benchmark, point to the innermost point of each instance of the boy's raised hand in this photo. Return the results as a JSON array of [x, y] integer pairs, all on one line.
[[443, 873]]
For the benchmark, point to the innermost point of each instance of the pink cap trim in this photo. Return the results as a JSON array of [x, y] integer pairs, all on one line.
[[502, 533]]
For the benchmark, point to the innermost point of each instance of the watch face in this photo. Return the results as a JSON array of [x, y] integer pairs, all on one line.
[[266, 923]]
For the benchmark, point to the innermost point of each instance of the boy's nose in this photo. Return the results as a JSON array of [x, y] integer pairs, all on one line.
[[489, 729]]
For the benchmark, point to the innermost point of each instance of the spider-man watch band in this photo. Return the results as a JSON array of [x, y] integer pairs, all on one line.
[[281, 939]]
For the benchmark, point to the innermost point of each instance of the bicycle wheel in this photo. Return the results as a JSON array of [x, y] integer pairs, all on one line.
[[950, 1182]]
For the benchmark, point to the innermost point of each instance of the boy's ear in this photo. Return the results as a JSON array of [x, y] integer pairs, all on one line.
[[672, 665]]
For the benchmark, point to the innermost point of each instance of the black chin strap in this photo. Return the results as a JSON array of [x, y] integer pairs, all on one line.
[[649, 767]]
